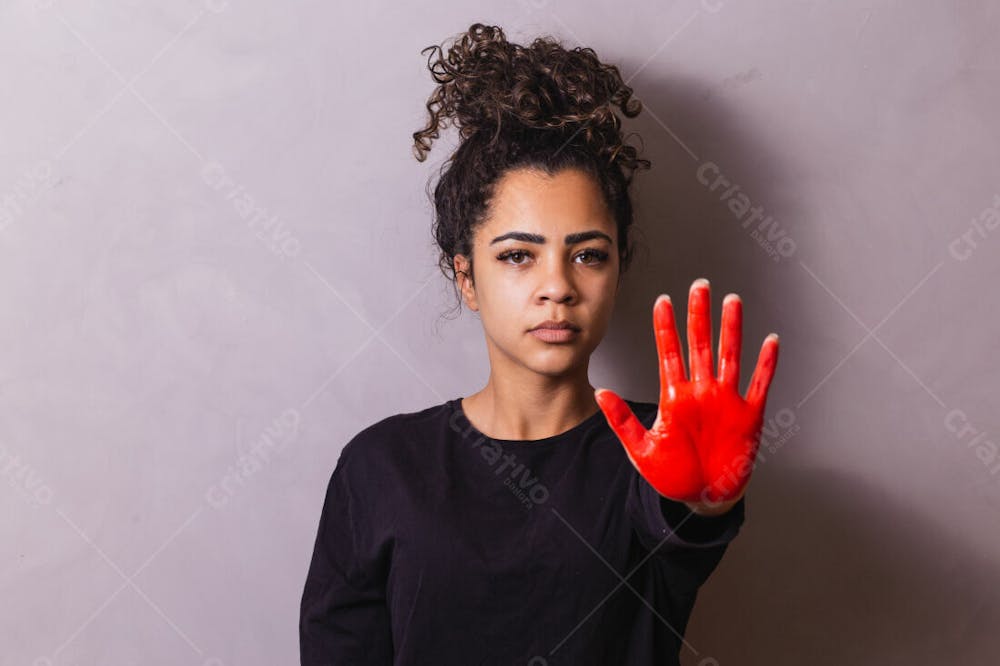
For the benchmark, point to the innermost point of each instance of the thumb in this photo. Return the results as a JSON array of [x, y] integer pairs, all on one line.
[[623, 422]]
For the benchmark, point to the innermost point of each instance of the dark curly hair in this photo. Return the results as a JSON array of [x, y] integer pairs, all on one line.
[[543, 107]]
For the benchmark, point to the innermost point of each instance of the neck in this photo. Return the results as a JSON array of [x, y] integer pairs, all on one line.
[[531, 407]]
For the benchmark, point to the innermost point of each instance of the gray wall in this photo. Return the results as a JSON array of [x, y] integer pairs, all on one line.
[[215, 268]]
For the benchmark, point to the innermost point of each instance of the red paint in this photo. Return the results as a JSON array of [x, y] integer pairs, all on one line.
[[704, 440]]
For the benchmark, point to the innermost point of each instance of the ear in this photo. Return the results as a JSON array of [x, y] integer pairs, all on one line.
[[465, 285]]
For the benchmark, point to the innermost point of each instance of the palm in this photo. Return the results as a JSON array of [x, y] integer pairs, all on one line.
[[702, 445]]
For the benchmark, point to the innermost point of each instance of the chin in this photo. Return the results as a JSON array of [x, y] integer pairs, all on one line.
[[556, 362], [554, 373]]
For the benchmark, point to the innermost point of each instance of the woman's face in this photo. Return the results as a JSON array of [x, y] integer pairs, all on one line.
[[548, 250]]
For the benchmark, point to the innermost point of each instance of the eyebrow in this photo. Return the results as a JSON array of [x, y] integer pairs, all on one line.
[[571, 239]]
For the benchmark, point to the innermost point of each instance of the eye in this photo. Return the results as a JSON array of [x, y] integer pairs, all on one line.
[[503, 256], [598, 255]]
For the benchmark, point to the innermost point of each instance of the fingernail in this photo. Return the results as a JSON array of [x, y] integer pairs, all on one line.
[[702, 280]]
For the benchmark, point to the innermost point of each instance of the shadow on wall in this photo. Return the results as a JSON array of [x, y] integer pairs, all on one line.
[[827, 573], [709, 207]]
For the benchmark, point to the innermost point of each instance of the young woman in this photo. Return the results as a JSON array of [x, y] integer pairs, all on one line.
[[538, 521]]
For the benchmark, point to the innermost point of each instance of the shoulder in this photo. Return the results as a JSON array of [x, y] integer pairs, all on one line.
[[386, 436]]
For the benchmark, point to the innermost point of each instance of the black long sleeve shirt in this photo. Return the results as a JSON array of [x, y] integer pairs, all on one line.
[[440, 546]]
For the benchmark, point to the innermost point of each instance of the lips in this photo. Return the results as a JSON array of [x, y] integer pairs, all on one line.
[[556, 325]]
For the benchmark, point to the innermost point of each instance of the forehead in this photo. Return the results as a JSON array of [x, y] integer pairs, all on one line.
[[529, 200]]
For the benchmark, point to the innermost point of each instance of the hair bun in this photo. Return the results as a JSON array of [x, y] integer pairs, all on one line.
[[491, 86]]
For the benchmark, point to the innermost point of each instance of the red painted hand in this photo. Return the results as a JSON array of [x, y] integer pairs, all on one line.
[[703, 443]]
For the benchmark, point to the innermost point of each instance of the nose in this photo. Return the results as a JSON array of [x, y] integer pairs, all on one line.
[[557, 283]]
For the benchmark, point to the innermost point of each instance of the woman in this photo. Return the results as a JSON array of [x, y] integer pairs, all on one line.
[[538, 521]]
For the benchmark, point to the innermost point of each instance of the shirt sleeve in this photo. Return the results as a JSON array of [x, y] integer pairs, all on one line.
[[343, 617], [663, 523], [688, 545]]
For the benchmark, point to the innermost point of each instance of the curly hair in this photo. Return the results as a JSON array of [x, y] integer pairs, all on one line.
[[542, 107]]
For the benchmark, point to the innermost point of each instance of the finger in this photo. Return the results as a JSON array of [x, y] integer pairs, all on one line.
[[699, 331], [623, 421], [668, 347], [730, 340], [764, 372]]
